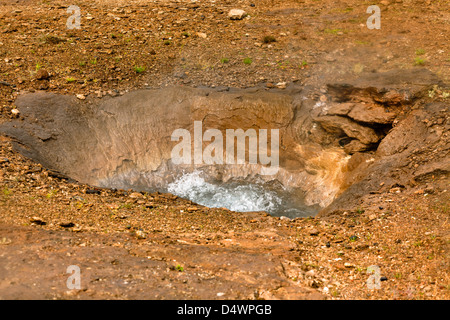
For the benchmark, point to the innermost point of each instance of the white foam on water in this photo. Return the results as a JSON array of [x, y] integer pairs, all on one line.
[[233, 196]]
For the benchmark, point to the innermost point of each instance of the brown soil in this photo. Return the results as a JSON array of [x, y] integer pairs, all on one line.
[[154, 246]]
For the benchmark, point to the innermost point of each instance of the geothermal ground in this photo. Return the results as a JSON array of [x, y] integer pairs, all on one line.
[[387, 226]]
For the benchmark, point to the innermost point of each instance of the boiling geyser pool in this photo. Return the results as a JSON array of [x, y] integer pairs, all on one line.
[[237, 196]]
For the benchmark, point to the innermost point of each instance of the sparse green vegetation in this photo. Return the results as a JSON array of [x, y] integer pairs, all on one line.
[[70, 79], [420, 52], [6, 191], [332, 31], [248, 61], [139, 69], [179, 268], [224, 60], [418, 61]]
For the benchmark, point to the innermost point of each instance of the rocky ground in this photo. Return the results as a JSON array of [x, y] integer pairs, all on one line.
[[132, 245]]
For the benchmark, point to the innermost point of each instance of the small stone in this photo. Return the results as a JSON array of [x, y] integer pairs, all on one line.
[[42, 74], [38, 220], [395, 190], [135, 195], [314, 232], [192, 209], [141, 234], [383, 279], [237, 14], [81, 96], [348, 265], [66, 224], [15, 112], [92, 191], [281, 85], [202, 35]]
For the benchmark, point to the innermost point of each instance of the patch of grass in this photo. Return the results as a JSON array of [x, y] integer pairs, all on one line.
[[93, 61], [332, 31], [6, 191], [70, 79], [361, 42], [139, 69], [420, 52], [248, 61], [418, 61], [82, 63], [179, 268], [224, 60], [38, 66], [125, 206], [51, 194], [360, 210], [269, 39], [418, 243]]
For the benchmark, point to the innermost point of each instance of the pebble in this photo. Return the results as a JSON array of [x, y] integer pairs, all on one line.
[[281, 85], [237, 14], [81, 96], [141, 234], [38, 221], [66, 224], [42, 74]]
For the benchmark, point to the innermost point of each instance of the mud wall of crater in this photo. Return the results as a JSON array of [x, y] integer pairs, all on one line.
[[330, 140]]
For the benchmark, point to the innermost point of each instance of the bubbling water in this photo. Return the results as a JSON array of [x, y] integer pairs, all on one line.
[[236, 196]]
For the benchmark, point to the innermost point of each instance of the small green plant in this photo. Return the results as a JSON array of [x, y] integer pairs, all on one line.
[[6, 191], [125, 206], [70, 79], [360, 210], [418, 61], [38, 66], [167, 42], [82, 63], [418, 243], [304, 64], [269, 39], [179, 268], [248, 61], [398, 275], [139, 69], [420, 52], [185, 34], [93, 61], [332, 31], [224, 60], [51, 194]]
